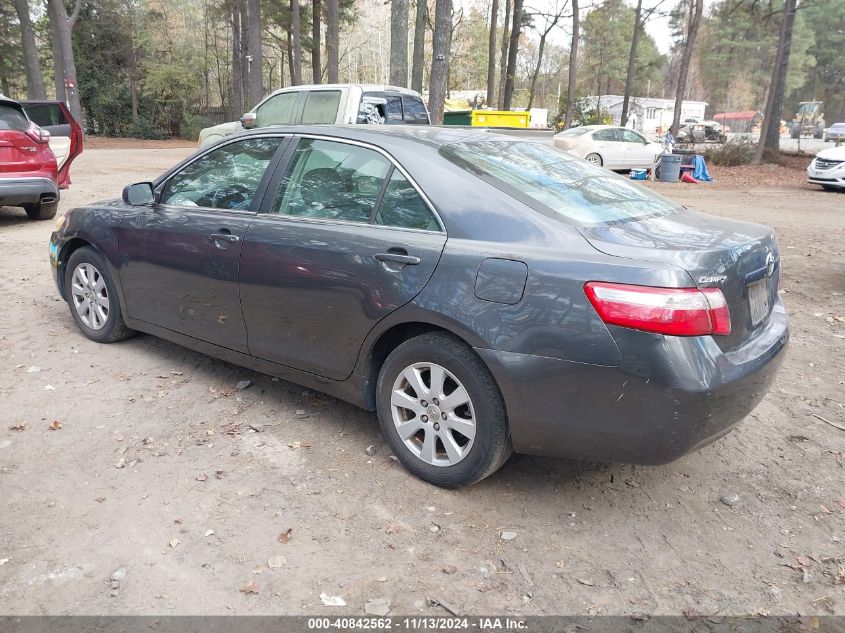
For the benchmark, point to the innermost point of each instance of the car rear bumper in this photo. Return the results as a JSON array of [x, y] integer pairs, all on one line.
[[674, 397], [18, 191]]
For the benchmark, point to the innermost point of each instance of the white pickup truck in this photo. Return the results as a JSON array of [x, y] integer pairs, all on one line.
[[328, 103]]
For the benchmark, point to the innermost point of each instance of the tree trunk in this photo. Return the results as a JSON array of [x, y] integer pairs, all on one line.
[[333, 39], [418, 68], [254, 52], [237, 65], [32, 65], [316, 43], [632, 60], [537, 69], [64, 28], [491, 53], [440, 59], [696, 9], [513, 49], [503, 63], [770, 131], [296, 41], [573, 66], [58, 62], [399, 43]]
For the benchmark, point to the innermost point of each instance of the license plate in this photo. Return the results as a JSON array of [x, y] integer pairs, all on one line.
[[758, 301]]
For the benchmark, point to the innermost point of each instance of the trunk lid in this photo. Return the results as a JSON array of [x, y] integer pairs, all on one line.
[[740, 258]]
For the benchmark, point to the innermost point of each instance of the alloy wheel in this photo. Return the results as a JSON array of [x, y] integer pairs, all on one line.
[[90, 296], [433, 414]]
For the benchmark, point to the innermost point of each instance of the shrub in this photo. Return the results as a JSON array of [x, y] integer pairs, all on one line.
[[730, 154]]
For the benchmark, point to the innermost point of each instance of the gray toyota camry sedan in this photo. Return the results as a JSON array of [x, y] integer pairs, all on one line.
[[482, 294]]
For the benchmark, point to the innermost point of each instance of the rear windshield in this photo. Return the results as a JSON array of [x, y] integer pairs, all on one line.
[[46, 114], [12, 119], [555, 182], [574, 131]]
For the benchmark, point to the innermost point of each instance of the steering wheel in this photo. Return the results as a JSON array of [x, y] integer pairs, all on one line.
[[232, 196]]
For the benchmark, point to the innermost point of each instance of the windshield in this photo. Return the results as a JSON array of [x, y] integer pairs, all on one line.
[[560, 183]]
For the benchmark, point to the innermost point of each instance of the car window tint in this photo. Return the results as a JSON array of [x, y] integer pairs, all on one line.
[[394, 110], [12, 119], [632, 137], [46, 114], [555, 182], [225, 178], [402, 206], [606, 135], [415, 111], [331, 180], [321, 106], [276, 110]]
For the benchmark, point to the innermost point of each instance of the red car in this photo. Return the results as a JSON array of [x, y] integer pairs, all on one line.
[[35, 155]]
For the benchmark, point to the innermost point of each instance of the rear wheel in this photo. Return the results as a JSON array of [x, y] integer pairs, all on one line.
[[441, 411], [42, 210], [832, 188], [92, 297], [595, 159]]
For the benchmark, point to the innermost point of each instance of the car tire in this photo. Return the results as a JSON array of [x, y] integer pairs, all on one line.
[[42, 210], [483, 416], [83, 265], [832, 188], [594, 158]]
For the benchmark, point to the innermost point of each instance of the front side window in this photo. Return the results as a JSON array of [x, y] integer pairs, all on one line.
[[557, 183], [276, 110], [326, 179], [415, 112], [225, 178], [321, 107], [402, 206], [630, 136]]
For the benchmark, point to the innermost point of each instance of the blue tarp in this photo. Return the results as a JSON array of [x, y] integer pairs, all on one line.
[[699, 169]]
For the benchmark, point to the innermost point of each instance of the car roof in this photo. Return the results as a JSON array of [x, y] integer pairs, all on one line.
[[363, 87]]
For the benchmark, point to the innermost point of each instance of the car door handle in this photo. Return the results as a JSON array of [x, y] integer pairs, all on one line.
[[398, 258], [223, 237]]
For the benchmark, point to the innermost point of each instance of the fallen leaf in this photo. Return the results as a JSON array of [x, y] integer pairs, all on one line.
[[55, 425], [277, 561], [250, 587], [19, 427], [299, 445], [804, 561], [824, 509], [285, 536], [209, 532], [100, 499], [560, 564], [49, 388], [586, 581], [691, 613], [202, 477], [393, 527], [841, 503], [174, 542], [3, 561]]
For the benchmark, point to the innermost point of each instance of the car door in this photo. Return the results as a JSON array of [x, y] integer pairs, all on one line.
[[607, 143], [343, 239], [638, 154], [65, 133], [179, 258]]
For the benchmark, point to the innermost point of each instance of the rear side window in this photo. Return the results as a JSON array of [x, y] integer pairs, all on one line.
[[46, 114], [321, 106], [606, 135], [554, 182], [394, 110], [12, 119], [402, 206], [415, 111], [276, 110]]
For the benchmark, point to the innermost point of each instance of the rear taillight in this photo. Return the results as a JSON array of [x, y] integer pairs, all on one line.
[[38, 134], [675, 311]]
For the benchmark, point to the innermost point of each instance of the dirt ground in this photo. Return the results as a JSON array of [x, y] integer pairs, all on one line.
[[166, 489]]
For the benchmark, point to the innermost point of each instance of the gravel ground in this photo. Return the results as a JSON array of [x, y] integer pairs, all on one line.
[[137, 479]]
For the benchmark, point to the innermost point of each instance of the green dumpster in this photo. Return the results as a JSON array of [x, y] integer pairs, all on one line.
[[458, 117]]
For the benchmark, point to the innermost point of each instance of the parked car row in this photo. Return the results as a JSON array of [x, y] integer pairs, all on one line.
[[38, 142]]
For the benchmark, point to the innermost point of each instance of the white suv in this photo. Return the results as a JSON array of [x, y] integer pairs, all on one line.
[[328, 103]]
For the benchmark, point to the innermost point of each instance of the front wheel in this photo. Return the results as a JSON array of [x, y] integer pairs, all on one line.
[[595, 159], [92, 297], [441, 411]]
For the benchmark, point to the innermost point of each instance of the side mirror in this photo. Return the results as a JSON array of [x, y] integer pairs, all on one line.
[[139, 194], [249, 120]]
